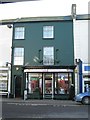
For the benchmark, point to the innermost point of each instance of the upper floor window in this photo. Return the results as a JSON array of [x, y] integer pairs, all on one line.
[[48, 31], [48, 55], [18, 56], [19, 32]]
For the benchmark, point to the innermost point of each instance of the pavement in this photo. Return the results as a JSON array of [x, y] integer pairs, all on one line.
[[45, 108], [41, 102]]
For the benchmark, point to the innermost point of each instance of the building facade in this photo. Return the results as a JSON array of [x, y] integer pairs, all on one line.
[[81, 51], [42, 57]]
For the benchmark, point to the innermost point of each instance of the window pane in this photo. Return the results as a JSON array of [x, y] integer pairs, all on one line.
[[34, 82], [19, 32], [48, 55], [62, 83], [48, 32], [18, 56]]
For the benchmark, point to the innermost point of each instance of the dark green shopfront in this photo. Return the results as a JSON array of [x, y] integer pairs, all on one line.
[[42, 57]]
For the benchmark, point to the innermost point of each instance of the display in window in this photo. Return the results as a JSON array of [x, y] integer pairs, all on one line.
[[48, 86], [34, 82], [62, 83], [63, 86]]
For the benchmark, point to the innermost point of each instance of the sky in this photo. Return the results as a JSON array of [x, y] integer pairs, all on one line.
[[42, 8], [34, 9]]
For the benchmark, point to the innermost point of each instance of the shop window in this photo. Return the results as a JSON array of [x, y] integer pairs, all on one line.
[[19, 32], [18, 56], [62, 83], [34, 82], [48, 32]]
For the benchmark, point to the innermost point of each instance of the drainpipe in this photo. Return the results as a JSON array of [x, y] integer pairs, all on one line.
[[73, 15], [78, 77], [77, 63], [26, 87]]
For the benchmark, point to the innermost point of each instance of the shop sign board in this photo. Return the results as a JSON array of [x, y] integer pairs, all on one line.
[[48, 70], [85, 68]]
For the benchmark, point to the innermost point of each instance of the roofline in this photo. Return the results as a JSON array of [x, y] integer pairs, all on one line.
[[44, 18], [83, 17], [35, 19]]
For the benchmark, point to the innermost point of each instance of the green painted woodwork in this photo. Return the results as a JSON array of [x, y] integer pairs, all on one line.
[[33, 42]]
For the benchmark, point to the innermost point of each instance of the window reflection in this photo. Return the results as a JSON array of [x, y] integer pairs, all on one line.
[[34, 82], [48, 55], [18, 56], [62, 83], [19, 32], [48, 31], [48, 83]]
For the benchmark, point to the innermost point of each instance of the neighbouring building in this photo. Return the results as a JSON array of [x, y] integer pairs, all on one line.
[[4, 81], [85, 77], [82, 77], [81, 51]]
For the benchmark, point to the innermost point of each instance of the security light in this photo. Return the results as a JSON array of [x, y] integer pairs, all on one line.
[[9, 25], [7, 63], [77, 61], [17, 68]]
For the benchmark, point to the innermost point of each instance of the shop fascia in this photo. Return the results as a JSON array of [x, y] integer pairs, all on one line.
[[48, 70]]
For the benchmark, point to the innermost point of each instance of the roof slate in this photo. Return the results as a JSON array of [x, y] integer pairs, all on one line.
[[44, 18], [35, 19]]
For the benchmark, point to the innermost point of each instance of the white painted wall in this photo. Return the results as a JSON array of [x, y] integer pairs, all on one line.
[[5, 44], [81, 39]]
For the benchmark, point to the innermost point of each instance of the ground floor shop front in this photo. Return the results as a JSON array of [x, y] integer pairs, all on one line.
[[48, 83], [45, 83]]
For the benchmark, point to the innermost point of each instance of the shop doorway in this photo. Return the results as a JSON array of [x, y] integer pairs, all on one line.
[[18, 80], [48, 85]]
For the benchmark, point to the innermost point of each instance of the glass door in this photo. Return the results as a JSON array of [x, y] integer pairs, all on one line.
[[48, 85]]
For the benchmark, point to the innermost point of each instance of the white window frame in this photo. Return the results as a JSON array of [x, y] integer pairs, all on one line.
[[19, 33], [48, 32], [48, 58], [18, 56]]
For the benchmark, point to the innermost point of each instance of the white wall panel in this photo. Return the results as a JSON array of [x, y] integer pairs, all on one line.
[[81, 39]]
